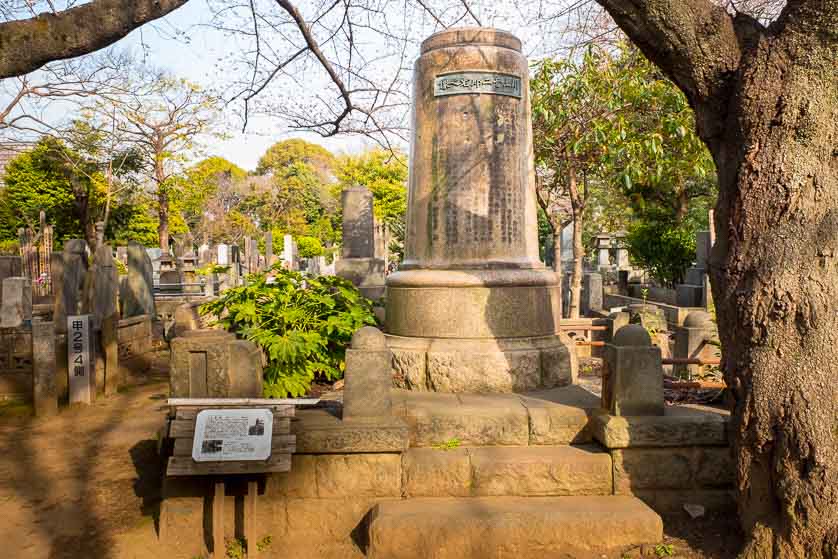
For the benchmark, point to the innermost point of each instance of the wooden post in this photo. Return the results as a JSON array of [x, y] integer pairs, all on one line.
[[250, 519], [218, 548]]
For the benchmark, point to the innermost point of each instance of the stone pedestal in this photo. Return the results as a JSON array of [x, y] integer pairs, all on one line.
[[368, 383], [632, 380], [472, 308], [214, 364]]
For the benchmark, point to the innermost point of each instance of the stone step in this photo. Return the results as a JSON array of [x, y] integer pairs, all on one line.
[[495, 527], [506, 471], [558, 416]]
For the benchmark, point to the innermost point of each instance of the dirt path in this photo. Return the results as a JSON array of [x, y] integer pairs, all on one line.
[[84, 483]]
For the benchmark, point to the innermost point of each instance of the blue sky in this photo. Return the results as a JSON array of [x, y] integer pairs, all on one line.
[[185, 44]]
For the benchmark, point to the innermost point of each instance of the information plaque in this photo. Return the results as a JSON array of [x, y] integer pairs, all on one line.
[[226, 435], [493, 83]]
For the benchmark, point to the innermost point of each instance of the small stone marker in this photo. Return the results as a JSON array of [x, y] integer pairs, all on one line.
[[44, 386], [214, 364], [232, 435], [368, 376], [79, 358], [632, 382], [223, 257], [591, 293], [16, 309]]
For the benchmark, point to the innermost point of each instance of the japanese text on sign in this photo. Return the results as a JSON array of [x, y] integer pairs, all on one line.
[[477, 82], [232, 434], [79, 358]]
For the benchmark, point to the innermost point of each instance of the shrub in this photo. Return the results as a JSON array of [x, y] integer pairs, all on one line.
[[303, 325], [309, 247], [665, 249]]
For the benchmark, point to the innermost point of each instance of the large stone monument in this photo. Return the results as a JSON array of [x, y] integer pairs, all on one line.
[[137, 291], [473, 309], [358, 263]]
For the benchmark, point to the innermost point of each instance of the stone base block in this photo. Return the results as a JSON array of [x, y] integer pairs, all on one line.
[[689, 295], [482, 366], [366, 273], [465, 528]]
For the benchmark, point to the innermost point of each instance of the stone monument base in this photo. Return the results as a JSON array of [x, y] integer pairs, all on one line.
[[367, 274], [481, 366]]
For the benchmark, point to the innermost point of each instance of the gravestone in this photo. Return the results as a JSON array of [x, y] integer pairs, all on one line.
[[103, 292], [603, 246], [68, 295], [16, 306], [591, 293], [10, 267], [632, 378], [137, 295], [692, 341], [204, 255], [289, 252], [358, 263], [223, 255], [214, 364], [472, 308], [44, 385], [269, 249]]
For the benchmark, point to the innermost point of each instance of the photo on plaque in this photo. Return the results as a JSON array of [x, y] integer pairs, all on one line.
[[232, 435]]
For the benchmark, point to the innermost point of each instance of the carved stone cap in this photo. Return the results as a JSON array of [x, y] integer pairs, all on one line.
[[697, 319], [632, 335], [471, 36], [368, 337]]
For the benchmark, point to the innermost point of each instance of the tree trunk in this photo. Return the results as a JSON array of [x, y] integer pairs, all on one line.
[[557, 262], [162, 203], [576, 278], [774, 274]]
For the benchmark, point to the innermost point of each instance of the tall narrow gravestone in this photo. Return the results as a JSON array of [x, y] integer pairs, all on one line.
[[358, 263], [473, 309]]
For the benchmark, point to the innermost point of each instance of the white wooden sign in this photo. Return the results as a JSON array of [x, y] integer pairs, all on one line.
[[232, 434], [80, 359]]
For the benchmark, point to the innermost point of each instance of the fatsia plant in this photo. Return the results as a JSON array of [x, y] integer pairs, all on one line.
[[303, 325]]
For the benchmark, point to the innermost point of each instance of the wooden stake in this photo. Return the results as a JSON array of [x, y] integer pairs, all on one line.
[[218, 548], [250, 519]]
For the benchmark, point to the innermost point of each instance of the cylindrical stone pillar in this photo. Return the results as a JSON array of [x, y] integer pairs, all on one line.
[[472, 297]]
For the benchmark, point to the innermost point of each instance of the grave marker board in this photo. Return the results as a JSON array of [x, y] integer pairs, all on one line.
[[79, 358]]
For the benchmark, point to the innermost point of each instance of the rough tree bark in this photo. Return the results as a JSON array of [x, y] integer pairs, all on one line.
[[766, 103], [162, 205], [28, 44]]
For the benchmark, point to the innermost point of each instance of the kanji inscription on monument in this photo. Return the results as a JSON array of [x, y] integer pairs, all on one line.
[[493, 83], [79, 358], [232, 435]]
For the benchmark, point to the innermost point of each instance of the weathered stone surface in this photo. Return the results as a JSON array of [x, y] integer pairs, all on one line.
[[137, 298], [16, 306], [358, 475], [679, 426], [300, 482], [632, 377], [214, 364], [672, 468], [473, 420], [431, 472], [559, 363], [540, 471], [578, 527], [358, 222], [68, 294], [559, 417], [44, 387], [318, 431], [368, 376], [409, 369], [471, 271], [325, 519], [591, 293], [103, 290]]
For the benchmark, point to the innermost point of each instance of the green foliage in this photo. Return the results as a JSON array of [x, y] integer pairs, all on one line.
[[309, 247], [210, 269], [665, 248], [664, 550], [264, 544], [303, 325], [10, 247], [289, 152], [450, 444], [234, 549], [204, 188]]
